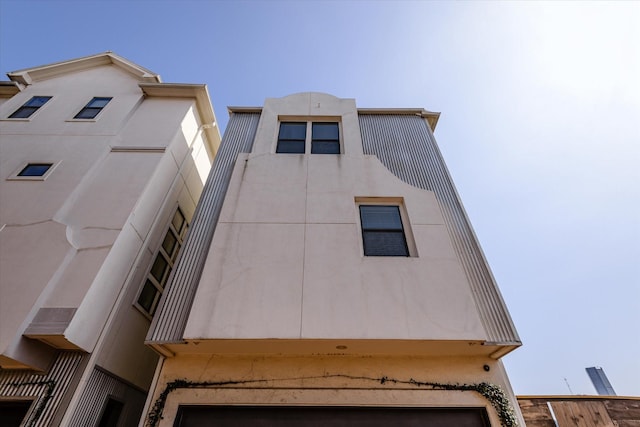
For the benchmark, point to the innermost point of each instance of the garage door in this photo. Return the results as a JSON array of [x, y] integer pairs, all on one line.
[[278, 416]]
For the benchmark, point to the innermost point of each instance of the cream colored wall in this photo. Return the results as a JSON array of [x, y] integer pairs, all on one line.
[[72, 240], [328, 380], [287, 260]]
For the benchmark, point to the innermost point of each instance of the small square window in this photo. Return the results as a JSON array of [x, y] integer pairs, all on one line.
[[91, 110], [382, 231], [325, 138], [30, 107], [35, 169], [292, 137]]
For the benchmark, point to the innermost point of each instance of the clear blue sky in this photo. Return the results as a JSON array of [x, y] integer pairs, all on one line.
[[540, 127]]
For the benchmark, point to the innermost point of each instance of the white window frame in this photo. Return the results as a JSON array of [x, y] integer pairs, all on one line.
[[15, 177]]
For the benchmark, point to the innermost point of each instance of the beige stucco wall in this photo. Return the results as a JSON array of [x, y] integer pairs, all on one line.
[[327, 381], [83, 237], [287, 259]]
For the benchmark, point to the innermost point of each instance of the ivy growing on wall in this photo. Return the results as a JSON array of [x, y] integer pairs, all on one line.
[[491, 392]]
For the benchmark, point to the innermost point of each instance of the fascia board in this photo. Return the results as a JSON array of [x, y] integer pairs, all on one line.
[[431, 116], [8, 89], [29, 75]]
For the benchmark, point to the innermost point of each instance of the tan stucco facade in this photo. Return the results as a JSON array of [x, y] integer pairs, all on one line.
[[289, 310]]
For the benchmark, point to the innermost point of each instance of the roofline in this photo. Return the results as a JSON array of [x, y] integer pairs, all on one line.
[[27, 76], [203, 103], [8, 89], [430, 116]]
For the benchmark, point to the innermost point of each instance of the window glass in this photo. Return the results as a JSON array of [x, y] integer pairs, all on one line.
[[35, 169], [382, 231], [178, 221], [147, 296], [159, 267], [325, 138], [324, 131], [291, 138], [29, 107], [169, 243], [92, 109]]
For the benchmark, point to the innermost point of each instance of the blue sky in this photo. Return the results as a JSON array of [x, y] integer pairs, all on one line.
[[540, 120]]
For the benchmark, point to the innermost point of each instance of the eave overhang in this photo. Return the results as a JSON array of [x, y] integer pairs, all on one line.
[[430, 116], [29, 75], [8, 89], [200, 93]]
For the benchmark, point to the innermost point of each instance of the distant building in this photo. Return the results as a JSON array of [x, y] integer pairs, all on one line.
[[600, 381], [331, 275], [101, 168]]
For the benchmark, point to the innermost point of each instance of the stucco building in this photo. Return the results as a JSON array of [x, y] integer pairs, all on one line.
[[101, 167], [331, 277]]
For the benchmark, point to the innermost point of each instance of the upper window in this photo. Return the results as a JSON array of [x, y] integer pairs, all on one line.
[[163, 264], [382, 231], [91, 110], [325, 138], [292, 137], [35, 169], [30, 107]]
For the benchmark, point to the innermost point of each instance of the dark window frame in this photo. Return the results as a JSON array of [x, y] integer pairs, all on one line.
[[37, 170], [379, 240], [323, 144], [27, 110], [117, 405], [153, 286], [89, 111], [291, 144]]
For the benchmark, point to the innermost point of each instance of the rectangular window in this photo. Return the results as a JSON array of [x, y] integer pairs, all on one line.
[[292, 137], [91, 110], [30, 107], [382, 231], [325, 138], [163, 263], [35, 169]]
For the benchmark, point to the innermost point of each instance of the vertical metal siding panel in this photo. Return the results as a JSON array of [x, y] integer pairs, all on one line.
[[100, 386], [173, 311], [406, 146], [20, 384]]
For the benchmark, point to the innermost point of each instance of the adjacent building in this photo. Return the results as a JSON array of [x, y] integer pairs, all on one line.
[[101, 167], [331, 277]]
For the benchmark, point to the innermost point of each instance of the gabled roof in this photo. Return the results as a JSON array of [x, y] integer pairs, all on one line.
[[43, 72]]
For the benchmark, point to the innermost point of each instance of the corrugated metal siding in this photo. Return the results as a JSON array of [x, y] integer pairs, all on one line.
[[406, 146], [47, 389], [102, 385], [173, 312]]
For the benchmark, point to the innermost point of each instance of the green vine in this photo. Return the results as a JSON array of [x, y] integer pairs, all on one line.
[[491, 392], [51, 384]]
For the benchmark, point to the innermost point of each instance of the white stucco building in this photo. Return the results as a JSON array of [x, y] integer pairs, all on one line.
[[101, 167], [331, 277]]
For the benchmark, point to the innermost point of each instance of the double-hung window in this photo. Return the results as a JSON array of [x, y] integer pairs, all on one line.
[[29, 107], [293, 138], [163, 264], [382, 231], [91, 110]]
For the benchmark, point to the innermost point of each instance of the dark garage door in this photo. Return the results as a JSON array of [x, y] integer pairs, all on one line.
[[278, 416]]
